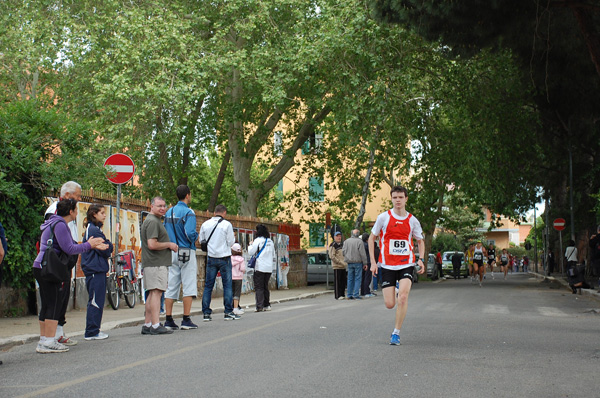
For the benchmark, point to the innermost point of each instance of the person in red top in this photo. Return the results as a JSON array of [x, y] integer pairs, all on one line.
[[396, 229]]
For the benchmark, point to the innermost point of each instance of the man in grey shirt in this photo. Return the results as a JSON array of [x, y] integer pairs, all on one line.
[[156, 258], [356, 256]]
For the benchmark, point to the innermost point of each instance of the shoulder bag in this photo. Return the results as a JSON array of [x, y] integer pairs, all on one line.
[[56, 267], [252, 261], [204, 242]]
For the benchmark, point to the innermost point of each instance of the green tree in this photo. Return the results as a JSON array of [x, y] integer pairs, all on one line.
[[41, 149]]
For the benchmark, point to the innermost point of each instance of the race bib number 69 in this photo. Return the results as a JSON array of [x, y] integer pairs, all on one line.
[[399, 247]]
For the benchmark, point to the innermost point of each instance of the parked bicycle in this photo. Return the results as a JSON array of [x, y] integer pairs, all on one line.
[[121, 280]]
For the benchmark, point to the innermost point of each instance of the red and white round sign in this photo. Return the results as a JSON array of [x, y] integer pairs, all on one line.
[[559, 224], [119, 168]]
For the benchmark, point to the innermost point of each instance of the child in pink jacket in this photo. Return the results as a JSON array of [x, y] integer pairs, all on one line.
[[238, 266]]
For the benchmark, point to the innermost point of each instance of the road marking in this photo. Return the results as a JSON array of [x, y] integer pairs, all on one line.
[[142, 362], [551, 311], [496, 309]]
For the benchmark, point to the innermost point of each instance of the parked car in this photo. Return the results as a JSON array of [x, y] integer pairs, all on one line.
[[430, 264], [318, 264], [447, 265]]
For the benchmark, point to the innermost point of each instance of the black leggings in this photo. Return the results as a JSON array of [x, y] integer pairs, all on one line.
[[50, 296]]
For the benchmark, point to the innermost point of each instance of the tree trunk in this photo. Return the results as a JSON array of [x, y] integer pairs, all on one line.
[[590, 35], [365, 190], [219, 182]]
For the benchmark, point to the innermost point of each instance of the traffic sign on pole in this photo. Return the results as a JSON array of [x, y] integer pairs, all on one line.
[[559, 224], [119, 168]]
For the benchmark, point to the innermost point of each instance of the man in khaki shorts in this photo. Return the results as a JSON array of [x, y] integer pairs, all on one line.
[[156, 258]]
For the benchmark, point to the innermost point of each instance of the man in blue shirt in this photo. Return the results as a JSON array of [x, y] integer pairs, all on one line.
[[180, 222]]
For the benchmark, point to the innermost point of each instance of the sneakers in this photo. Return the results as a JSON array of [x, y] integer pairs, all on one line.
[[395, 339], [52, 347], [258, 310], [66, 341], [241, 310], [369, 295], [187, 324], [207, 318], [237, 311], [173, 326], [267, 308], [99, 336], [160, 330], [231, 316]]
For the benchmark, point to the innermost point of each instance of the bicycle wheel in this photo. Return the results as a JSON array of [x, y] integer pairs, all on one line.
[[113, 291], [129, 292]]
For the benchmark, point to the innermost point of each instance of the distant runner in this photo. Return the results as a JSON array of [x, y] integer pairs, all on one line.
[[478, 254], [504, 258], [491, 255]]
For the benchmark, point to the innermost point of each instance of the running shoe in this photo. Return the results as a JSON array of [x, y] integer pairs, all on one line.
[[369, 295], [395, 339], [187, 324], [207, 318], [267, 308], [51, 347], [66, 341], [160, 330], [146, 330], [238, 311], [99, 336], [231, 317], [172, 325]]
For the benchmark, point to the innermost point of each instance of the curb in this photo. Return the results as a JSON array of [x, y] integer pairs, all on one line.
[[586, 292], [8, 343]]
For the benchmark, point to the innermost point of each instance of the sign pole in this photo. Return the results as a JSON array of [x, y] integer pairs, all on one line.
[[562, 268], [118, 224]]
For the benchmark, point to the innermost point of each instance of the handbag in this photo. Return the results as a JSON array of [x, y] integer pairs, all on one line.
[[56, 267], [204, 242], [252, 261]]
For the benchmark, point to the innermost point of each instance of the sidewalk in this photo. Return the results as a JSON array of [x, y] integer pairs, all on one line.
[[563, 281], [17, 331]]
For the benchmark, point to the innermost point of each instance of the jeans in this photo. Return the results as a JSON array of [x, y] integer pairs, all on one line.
[[377, 279], [365, 287], [213, 266], [354, 279]]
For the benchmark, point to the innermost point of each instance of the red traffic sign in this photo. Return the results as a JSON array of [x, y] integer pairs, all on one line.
[[119, 168], [559, 224]]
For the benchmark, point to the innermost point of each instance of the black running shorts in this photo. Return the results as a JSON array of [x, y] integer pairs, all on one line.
[[390, 277]]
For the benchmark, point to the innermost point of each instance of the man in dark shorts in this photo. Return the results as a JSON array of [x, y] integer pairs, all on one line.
[[396, 229]]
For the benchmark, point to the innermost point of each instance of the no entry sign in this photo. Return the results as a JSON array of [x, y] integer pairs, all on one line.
[[559, 224], [119, 168]]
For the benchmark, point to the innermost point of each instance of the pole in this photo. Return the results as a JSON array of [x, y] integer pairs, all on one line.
[[535, 247], [571, 186], [327, 260], [562, 259], [547, 236], [118, 224]]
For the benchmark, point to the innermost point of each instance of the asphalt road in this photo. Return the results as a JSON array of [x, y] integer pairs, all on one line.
[[515, 338]]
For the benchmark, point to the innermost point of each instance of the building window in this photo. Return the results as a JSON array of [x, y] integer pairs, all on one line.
[[316, 190], [313, 144], [316, 233]]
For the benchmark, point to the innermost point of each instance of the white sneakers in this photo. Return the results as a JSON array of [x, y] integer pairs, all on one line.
[[238, 311], [99, 336], [51, 347]]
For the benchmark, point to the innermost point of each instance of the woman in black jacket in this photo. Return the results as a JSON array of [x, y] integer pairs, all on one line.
[[94, 265]]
